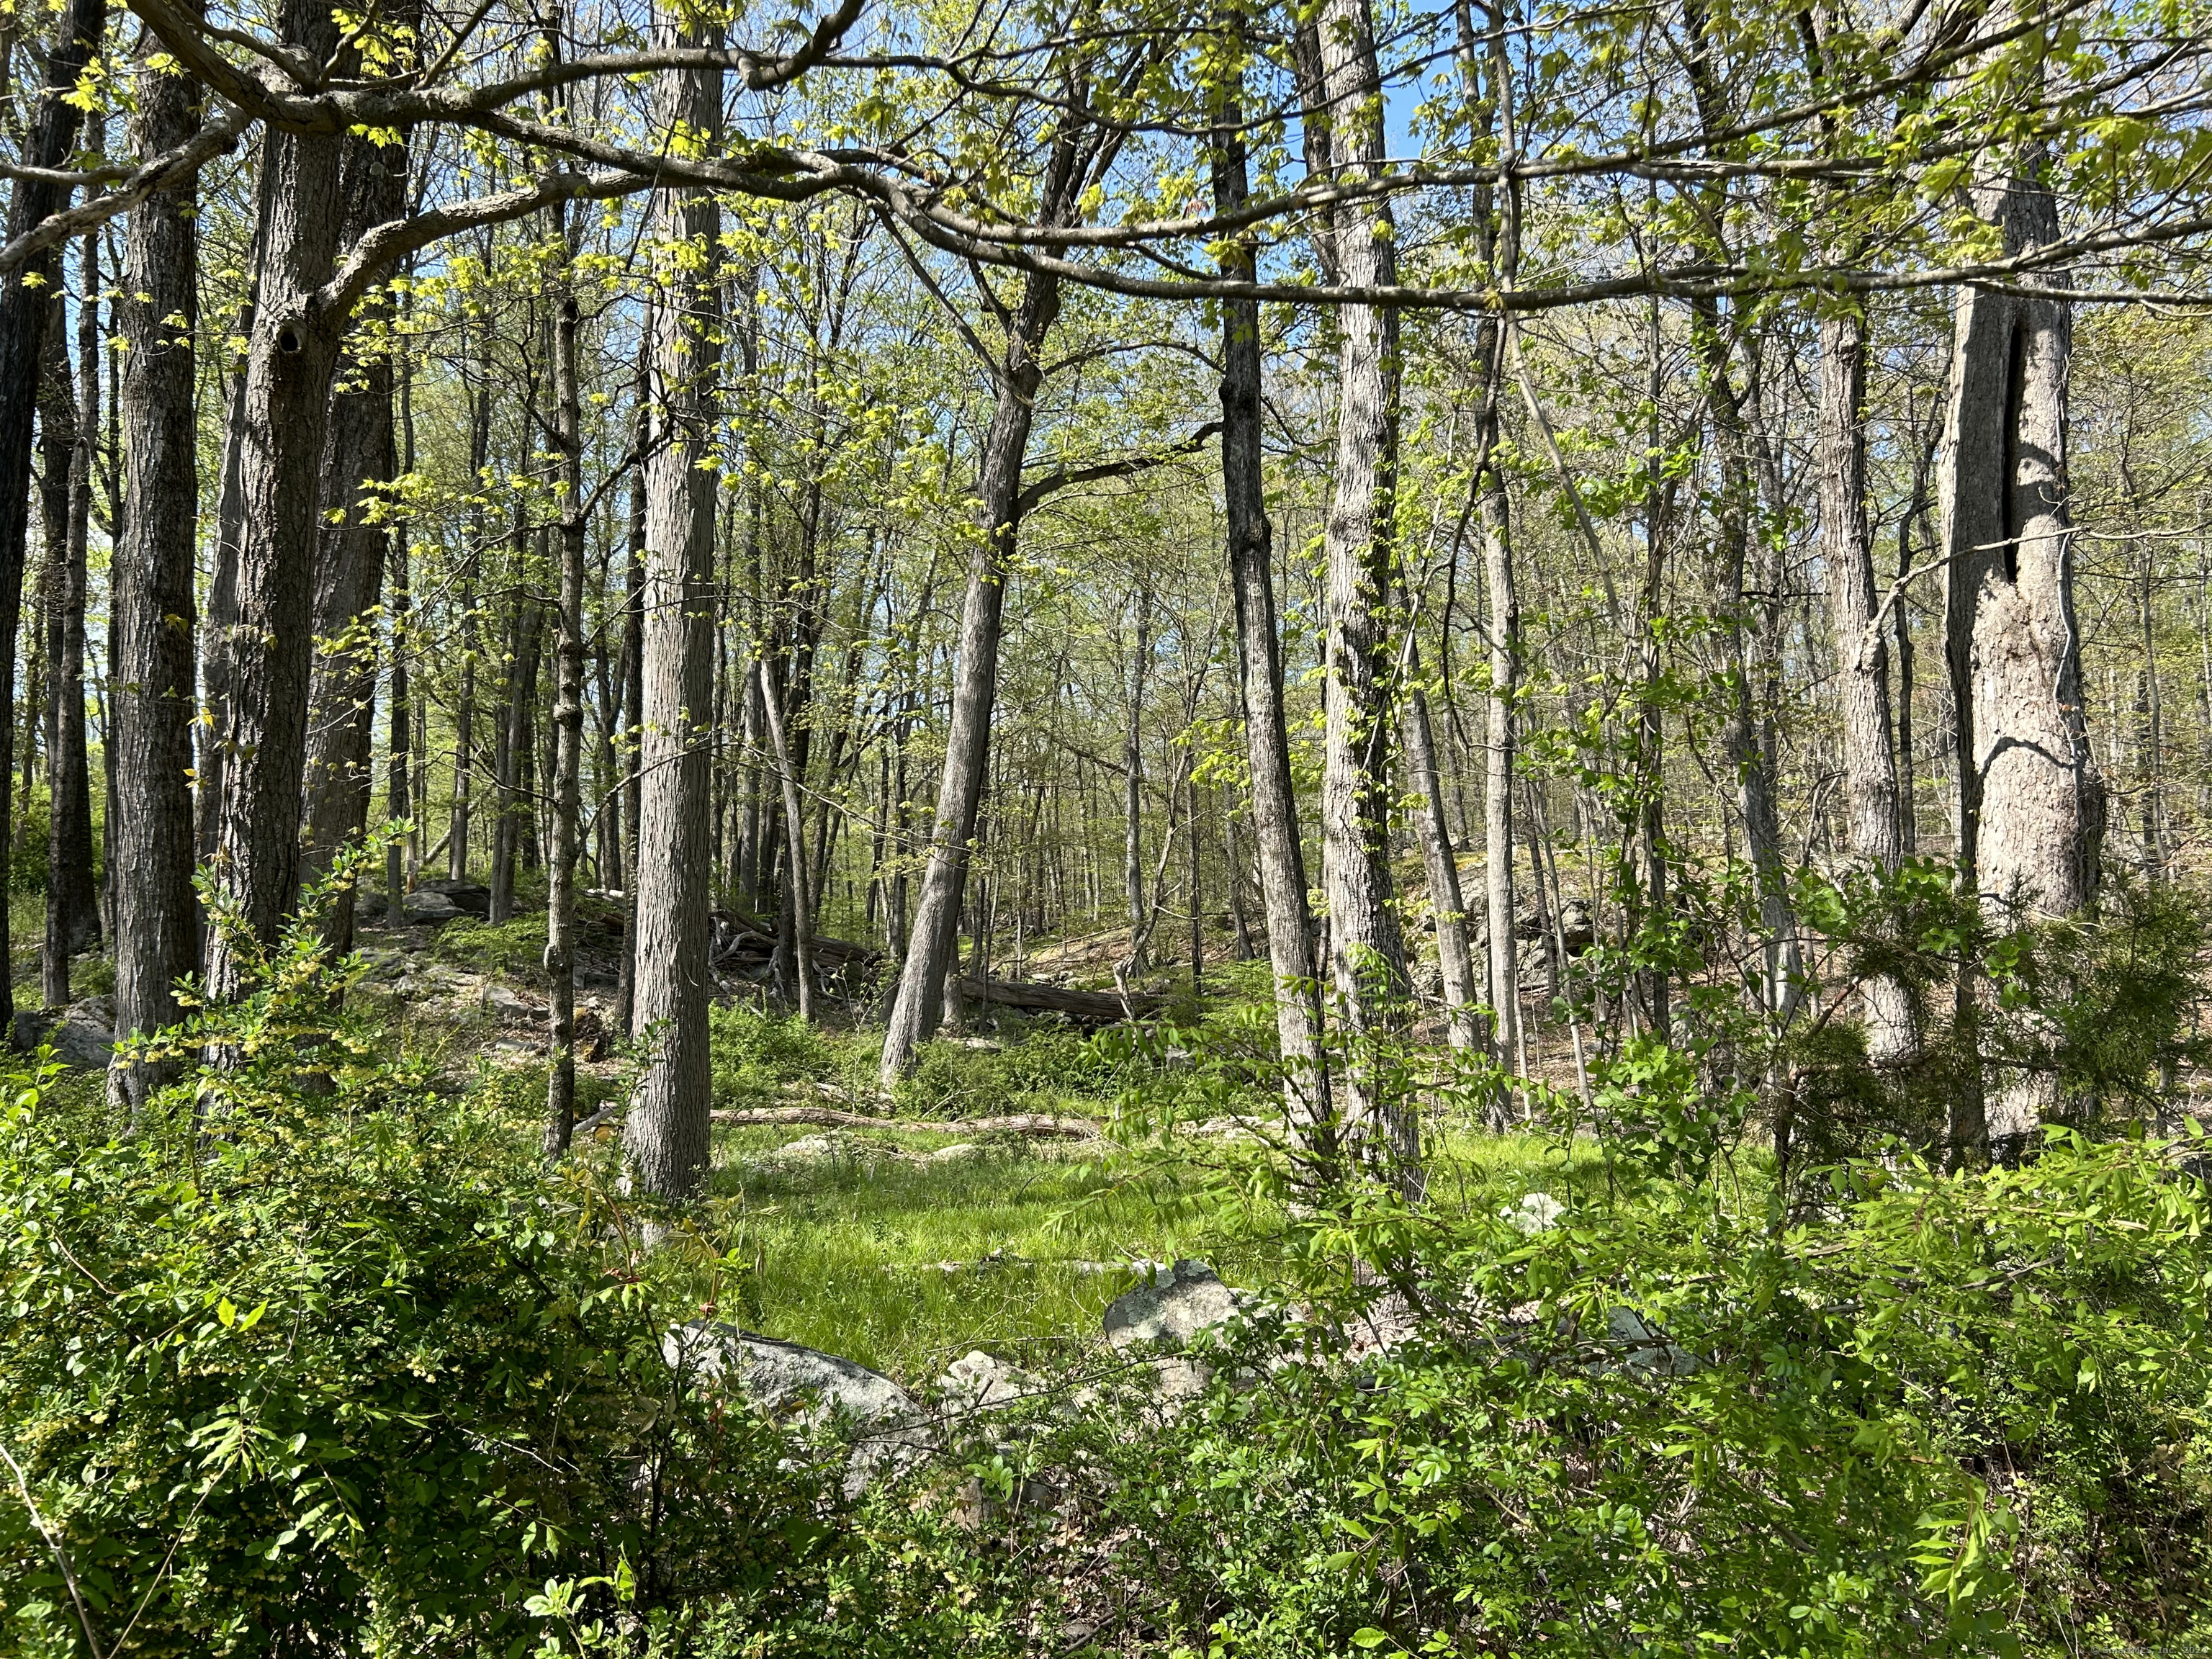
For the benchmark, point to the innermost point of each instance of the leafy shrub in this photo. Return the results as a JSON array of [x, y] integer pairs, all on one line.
[[312, 1355], [516, 948], [26, 851], [1965, 1414], [755, 1053]]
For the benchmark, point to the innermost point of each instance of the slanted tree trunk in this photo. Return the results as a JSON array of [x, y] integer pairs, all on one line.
[[665, 1133], [797, 901], [568, 740], [72, 899], [1447, 906], [359, 458], [26, 312], [2032, 806], [1367, 952], [150, 678], [919, 1004]]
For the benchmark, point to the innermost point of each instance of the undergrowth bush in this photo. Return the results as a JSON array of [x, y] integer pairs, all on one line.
[[755, 1053], [313, 1356], [515, 948]]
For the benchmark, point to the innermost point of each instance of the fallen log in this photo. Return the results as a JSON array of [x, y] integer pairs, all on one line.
[[1091, 1008], [830, 1117]]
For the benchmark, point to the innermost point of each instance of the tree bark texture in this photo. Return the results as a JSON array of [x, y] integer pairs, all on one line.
[[1367, 953], [665, 1135], [568, 742], [2032, 806], [26, 312], [150, 681], [360, 456], [1872, 806], [1283, 888], [289, 366], [72, 898]]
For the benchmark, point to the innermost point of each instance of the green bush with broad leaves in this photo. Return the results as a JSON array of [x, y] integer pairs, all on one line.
[[315, 1356]]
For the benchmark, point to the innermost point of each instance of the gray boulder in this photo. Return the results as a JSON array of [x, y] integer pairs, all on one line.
[[424, 906], [982, 1382], [1642, 1348], [471, 897], [82, 1034], [510, 1005], [1172, 1306], [819, 1395]]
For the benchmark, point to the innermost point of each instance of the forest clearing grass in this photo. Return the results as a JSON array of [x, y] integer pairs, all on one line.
[[905, 1266]]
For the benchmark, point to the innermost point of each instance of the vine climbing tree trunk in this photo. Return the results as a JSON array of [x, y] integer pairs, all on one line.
[[1367, 952]]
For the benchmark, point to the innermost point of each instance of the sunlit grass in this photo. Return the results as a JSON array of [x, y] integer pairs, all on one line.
[[848, 1255]]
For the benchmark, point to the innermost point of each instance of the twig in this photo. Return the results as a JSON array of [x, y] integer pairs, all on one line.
[[61, 1556]]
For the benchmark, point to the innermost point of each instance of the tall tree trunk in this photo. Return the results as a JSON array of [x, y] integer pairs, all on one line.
[[221, 619], [1872, 805], [666, 1134], [1488, 78], [1133, 785], [291, 362], [400, 861], [2032, 806], [1367, 952], [464, 702], [633, 703], [920, 1001], [568, 740], [1259, 673], [150, 676], [26, 312], [359, 458], [72, 899]]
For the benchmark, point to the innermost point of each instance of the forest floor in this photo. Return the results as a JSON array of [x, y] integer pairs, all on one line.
[[907, 1246]]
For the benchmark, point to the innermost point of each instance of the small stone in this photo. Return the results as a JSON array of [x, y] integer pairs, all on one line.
[[505, 1004], [1643, 1348], [960, 1152], [980, 1381]]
